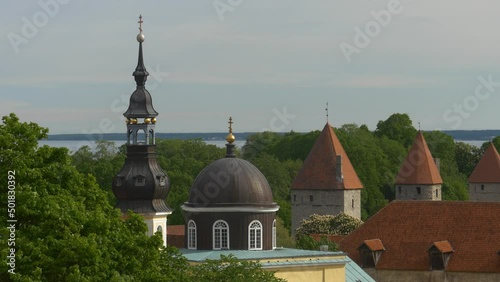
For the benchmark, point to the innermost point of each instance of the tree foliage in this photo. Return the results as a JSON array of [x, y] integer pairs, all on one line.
[[397, 127], [340, 224], [228, 268], [67, 229]]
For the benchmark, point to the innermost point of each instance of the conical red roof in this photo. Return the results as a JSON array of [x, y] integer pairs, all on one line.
[[319, 170], [488, 168], [419, 166]]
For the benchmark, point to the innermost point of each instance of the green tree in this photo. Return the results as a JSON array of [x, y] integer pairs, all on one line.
[[442, 146], [371, 164], [467, 157], [397, 127], [228, 268], [67, 230], [340, 224]]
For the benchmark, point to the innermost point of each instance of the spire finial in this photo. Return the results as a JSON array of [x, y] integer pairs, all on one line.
[[140, 36], [140, 23], [230, 137], [140, 73], [326, 112], [419, 126]]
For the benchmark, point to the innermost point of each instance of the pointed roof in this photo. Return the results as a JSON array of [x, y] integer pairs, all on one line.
[[488, 168], [319, 169], [419, 166]]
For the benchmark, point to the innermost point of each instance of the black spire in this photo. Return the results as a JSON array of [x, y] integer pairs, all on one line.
[[140, 72], [141, 104]]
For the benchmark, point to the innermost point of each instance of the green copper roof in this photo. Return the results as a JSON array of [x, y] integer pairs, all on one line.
[[353, 273]]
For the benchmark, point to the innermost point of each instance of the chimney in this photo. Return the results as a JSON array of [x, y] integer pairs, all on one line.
[[339, 174], [438, 164]]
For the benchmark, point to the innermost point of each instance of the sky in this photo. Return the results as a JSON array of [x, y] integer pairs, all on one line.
[[271, 65]]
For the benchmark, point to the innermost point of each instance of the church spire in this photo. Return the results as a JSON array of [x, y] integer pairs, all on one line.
[[140, 72]]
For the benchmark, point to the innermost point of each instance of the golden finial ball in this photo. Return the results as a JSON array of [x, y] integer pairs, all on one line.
[[127, 121], [147, 120], [140, 37], [230, 138], [133, 121], [153, 120]]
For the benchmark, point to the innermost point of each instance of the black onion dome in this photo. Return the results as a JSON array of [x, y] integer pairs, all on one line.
[[230, 182], [141, 104]]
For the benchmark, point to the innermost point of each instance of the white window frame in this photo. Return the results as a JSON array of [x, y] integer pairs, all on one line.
[[255, 235], [216, 228], [191, 244]]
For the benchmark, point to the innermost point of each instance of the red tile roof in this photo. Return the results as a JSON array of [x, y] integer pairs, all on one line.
[[419, 166], [176, 236], [488, 168], [408, 228], [374, 245], [319, 169]]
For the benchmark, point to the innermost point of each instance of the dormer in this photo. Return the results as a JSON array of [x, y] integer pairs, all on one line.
[[439, 255], [370, 252]]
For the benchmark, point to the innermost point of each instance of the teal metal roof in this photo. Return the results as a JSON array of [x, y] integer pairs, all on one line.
[[353, 273], [202, 255]]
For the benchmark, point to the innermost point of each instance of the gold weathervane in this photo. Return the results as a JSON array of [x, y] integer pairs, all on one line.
[[230, 137]]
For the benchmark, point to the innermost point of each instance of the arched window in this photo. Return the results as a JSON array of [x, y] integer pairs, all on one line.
[[255, 235], [141, 137], [159, 229], [274, 234], [191, 235], [221, 235]]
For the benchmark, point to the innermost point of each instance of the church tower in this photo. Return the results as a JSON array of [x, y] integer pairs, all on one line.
[[141, 185], [327, 183], [418, 177], [484, 181]]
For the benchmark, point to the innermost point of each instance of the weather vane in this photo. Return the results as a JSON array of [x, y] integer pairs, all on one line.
[[326, 112], [140, 23], [419, 126]]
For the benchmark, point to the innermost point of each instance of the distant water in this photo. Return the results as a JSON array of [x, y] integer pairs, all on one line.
[[477, 143], [74, 145]]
